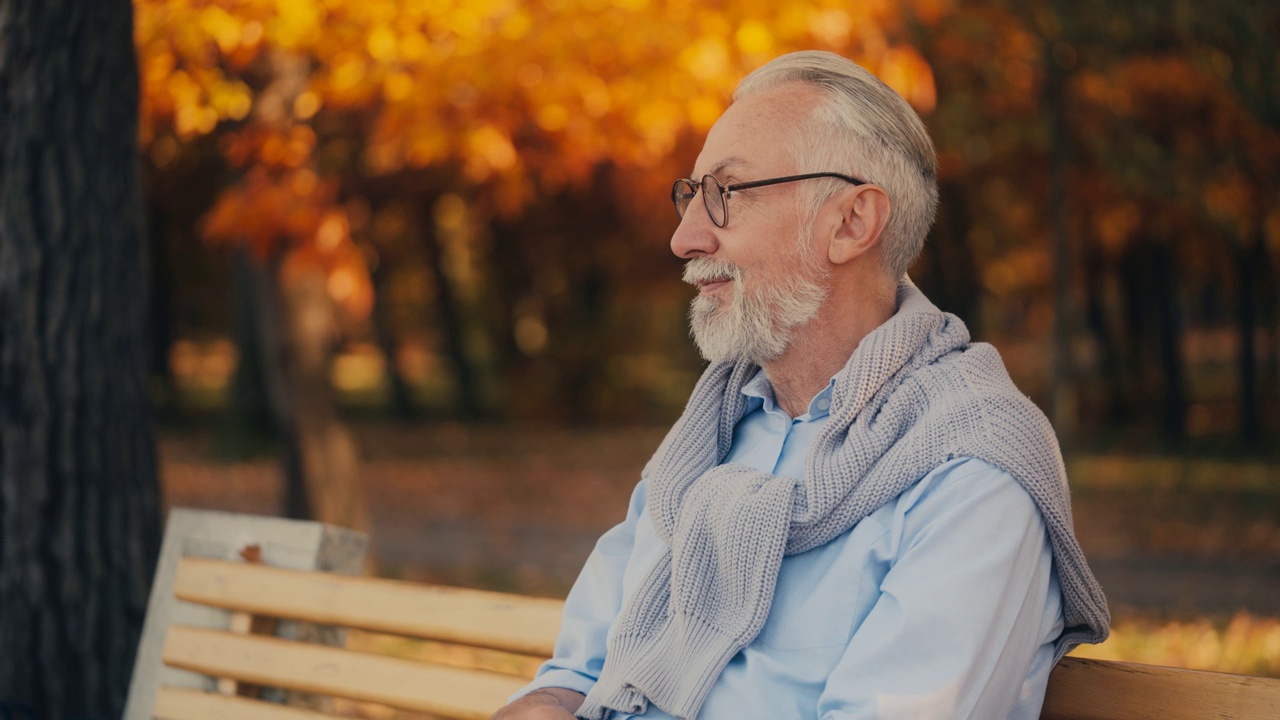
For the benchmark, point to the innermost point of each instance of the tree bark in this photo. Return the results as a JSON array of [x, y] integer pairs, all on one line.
[[79, 500], [295, 331], [467, 397], [1246, 360], [951, 264], [1055, 110], [322, 461], [1173, 424], [400, 395], [250, 419], [1113, 402]]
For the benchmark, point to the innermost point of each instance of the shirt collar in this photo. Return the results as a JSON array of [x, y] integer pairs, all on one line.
[[759, 393]]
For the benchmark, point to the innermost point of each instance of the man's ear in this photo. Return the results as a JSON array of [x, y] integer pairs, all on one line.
[[864, 213]]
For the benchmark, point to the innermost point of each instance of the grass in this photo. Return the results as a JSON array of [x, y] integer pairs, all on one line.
[[1243, 644]]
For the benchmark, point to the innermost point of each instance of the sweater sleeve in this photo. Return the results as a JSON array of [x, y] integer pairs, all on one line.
[[590, 608], [968, 606]]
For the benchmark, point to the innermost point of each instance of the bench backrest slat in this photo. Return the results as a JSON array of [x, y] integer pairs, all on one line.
[[472, 617], [177, 703], [321, 669], [1081, 689]]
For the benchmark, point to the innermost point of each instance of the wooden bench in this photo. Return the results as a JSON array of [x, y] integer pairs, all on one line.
[[471, 618], [448, 687]]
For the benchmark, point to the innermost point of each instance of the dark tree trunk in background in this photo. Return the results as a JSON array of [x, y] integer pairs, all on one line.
[[1246, 260], [1055, 111], [580, 323], [295, 331], [510, 280], [1173, 423], [1154, 332], [321, 458], [249, 422], [79, 501], [161, 321], [448, 309], [1115, 406], [384, 333], [952, 272]]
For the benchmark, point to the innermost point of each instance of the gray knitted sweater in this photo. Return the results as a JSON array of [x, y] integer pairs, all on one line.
[[913, 395]]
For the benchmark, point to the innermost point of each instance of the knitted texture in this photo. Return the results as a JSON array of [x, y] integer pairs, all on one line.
[[914, 394]]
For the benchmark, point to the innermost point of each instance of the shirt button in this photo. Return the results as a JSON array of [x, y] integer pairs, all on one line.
[[824, 404]]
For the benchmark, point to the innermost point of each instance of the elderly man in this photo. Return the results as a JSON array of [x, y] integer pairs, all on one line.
[[858, 515]]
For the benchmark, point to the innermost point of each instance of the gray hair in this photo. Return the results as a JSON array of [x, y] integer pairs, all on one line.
[[867, 130]]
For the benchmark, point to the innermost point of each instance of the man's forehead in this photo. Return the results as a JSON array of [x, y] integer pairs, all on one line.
[[753, 132]]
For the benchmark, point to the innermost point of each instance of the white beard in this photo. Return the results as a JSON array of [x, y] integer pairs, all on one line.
[[759, 322]]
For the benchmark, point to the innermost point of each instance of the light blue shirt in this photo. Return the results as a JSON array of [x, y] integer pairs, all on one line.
[[943, 603]]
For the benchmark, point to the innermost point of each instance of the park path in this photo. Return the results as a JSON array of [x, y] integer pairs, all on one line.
[[520, 511]]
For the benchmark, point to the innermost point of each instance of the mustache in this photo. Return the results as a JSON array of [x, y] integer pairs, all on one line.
[[699, 271]]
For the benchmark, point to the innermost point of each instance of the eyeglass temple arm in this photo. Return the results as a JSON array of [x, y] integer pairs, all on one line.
[[792, 178]]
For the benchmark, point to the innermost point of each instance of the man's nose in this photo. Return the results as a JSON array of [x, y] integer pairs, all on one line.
[[696, 234]]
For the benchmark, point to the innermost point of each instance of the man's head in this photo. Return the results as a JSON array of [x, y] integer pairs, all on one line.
[[863, 128], [778, 245]]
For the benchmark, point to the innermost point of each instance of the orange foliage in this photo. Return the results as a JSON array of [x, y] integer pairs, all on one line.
[[1201, 152], [541, 92], [515, 98]]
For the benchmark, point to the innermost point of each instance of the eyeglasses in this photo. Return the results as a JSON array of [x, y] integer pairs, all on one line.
[[715, 196]]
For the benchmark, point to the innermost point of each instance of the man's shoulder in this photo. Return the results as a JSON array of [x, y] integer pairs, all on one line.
[[968, 480], [970, 388]]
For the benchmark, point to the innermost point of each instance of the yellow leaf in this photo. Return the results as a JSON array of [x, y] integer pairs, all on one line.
[[553, 118], [222, 27], [382, 44], [707, 59], [754, 38], [397, 86], [306, 105]]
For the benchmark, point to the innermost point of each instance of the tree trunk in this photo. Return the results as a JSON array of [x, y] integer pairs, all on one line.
[[1055, 110], [1173, 423], [467, 397], [510, 281], [160, 316], [79, 500], [322, 470], [1247, 366], [296, 331], [400, 395], [249, 421], [1113, 403], [951, 264]]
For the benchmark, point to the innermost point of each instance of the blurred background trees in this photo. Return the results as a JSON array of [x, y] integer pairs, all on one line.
[[457, 210], [454, 213]]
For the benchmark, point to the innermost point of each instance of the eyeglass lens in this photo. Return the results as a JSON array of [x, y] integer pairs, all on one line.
[[713, 198], [683, 191]]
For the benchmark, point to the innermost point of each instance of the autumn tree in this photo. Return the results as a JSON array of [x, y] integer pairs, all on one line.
[[464, 126], [1108, 168], [79, 507], [1181, 150]]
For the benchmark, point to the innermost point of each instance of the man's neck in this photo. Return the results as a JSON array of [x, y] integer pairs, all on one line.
[[821, 347]]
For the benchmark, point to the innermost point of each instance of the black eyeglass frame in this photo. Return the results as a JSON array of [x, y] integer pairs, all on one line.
[[724, 191]]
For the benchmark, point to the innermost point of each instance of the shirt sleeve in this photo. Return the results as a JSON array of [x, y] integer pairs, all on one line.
[[590, 608], [963, 611]]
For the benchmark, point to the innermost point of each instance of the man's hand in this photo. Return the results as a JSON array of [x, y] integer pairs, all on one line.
[[544, 704]]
